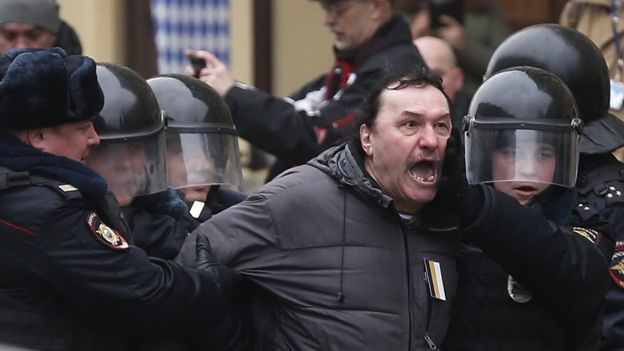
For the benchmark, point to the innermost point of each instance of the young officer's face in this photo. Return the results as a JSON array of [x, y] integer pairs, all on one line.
[[187, 168], [123, 167], [405, 147], [526, 161]]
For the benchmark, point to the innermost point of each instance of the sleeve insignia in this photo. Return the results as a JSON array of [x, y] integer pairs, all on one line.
[[106, 234], [617, 265], [617, 272], [589, 234]]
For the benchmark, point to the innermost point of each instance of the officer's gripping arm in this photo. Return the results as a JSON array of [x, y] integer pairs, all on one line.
[[121, 284], [562, 267]]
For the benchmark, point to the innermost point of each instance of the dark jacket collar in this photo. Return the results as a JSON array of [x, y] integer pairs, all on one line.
[[395, 32], [20, 157], [346, 164]]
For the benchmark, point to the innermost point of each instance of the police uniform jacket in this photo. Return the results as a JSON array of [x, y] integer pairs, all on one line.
[[70, 279], [321, 112], [331, 263], [543, 292], [601, 192]]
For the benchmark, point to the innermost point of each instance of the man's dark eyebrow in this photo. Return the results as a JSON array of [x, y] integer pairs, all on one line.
[[418, 114]]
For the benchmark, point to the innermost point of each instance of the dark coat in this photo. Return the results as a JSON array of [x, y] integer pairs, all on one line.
[[70, 279], [312, 119], [331, 264], [601, 192], [542, 292]]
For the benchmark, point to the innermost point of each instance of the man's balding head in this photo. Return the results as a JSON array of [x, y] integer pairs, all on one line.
[[439, 57]]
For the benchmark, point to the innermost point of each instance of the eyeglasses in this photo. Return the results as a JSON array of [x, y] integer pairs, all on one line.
[[338, 7]]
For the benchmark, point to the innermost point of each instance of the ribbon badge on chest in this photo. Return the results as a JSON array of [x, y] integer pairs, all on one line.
[[433, 274]]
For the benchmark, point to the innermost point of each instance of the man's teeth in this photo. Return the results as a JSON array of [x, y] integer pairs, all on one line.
[[427, 180], [423, 174]]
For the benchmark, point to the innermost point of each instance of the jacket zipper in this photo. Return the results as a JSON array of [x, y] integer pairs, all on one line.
[[430, 307], [409, 286]]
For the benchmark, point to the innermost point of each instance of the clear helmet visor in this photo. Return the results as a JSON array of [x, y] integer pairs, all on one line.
[[132, 166], [203, 159], [522, 155]]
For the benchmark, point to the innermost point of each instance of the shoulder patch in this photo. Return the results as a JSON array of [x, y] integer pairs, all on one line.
[[585, 211], [106, 234], [589, 234], [613, 195]]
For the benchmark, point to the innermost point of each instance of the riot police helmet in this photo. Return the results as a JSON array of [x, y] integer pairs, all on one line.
[[527, 118], [575, 59], [202, 142], [131, 153]]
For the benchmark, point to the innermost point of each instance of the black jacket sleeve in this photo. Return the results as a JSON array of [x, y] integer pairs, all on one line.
[[157, 234], [272, 124], [562, 266], [613, 329], [286, 127], [121, 284]]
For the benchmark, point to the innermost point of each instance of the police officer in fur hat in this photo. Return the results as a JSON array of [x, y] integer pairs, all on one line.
[[71, 278]]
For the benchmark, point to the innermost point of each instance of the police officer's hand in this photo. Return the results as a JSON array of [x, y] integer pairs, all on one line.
[[166, 202], [227, 278], [457, 203], [468, 198]]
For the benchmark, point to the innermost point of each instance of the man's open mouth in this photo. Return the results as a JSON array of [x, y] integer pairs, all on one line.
[[425, 172]]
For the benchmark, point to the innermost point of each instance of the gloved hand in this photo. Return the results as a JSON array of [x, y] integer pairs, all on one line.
[[227, 279], [166, 202], [457, 203]]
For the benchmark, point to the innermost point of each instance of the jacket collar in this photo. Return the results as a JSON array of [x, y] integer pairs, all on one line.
[[346, 164], [395, 32]]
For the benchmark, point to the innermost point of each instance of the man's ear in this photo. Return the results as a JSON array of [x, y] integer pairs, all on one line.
[[35, 138], [458, 78], [365, 139], [381, 8]]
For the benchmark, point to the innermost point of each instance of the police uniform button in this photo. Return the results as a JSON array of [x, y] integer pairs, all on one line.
[[612, 188], [586, 208], [618, 193], [609, 195]]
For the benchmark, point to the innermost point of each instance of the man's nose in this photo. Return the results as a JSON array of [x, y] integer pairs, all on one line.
[[429, 139], [94, 138], [21, 43]]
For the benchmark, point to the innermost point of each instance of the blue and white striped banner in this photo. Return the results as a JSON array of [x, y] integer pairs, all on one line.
[[190, 24]]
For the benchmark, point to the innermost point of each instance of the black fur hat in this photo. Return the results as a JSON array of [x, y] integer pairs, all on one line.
[[44, 88]]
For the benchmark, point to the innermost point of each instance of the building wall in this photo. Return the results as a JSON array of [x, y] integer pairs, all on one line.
[[98, 23], [302, 45]]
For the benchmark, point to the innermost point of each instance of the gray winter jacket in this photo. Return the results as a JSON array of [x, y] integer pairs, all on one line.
[[331, 263]]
